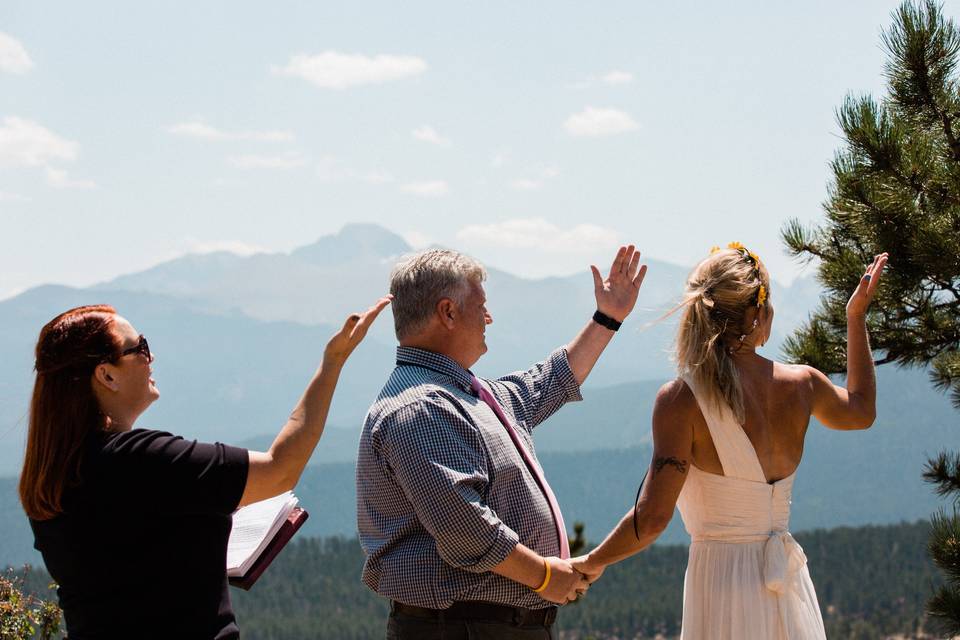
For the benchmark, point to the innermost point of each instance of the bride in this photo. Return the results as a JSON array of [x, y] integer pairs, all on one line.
[[727, 439]]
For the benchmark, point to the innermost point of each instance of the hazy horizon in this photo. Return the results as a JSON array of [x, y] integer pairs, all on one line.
[[534, 139]]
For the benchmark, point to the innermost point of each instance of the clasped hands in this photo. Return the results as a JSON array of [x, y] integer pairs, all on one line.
[[570, 579]]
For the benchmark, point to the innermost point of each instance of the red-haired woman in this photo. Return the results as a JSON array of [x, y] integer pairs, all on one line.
[[133, 523]]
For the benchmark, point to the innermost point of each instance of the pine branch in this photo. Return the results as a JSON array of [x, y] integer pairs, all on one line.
[[944, 545], [944, 609], [944, 472], [800, 241], [946, 375], [923, 50]]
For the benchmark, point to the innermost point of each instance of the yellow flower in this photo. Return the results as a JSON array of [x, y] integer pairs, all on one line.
[[754, 257], [761, 296], [735, 245], [714, 249]]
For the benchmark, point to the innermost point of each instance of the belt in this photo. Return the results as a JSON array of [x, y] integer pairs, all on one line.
[[518, 616]]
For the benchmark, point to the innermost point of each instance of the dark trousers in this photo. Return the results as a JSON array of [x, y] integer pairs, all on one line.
[[402, 626]]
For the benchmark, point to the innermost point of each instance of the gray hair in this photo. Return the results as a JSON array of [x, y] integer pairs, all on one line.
[[420, 281]]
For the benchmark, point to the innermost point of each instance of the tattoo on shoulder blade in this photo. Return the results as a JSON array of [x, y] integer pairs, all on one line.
[[660, 463]]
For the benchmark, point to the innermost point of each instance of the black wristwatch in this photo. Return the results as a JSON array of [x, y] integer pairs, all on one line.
[[604, 320]]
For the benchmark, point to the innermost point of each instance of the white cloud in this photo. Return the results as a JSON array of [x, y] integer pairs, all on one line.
[[499, 160], [526, 184], [335, 70], [595, 122], [284, 161], [614, 77], [549, 173], [7, 196], [58, 179], [198, 129], [330, 169], [617, 77], [532, 184], [580, 85], [429, 134], [24, 143], [427, 189], [377, 177], [237, 247], [13, 57], [537, 233]]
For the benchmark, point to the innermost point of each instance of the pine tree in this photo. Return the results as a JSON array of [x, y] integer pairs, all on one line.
[[896, 188]]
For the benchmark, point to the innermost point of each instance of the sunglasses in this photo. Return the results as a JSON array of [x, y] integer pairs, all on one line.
[[142, 347]]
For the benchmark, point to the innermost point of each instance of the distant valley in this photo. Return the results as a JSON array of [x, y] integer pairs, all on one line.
[[595, 453]]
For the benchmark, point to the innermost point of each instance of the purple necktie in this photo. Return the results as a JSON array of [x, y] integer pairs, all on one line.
[[532, 465]]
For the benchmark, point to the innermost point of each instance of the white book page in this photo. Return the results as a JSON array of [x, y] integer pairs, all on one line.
[[253, 527]]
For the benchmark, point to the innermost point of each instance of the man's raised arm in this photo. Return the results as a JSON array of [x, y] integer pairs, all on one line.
[[616, 297]]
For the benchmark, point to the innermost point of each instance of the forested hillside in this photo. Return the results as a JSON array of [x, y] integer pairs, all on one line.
[[872, 583]]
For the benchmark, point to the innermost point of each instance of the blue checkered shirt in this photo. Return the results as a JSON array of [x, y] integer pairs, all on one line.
[[443, 495]]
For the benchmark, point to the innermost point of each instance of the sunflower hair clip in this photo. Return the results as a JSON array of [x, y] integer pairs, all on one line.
[[753, 259]]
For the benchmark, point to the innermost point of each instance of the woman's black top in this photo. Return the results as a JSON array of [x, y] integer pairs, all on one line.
[[140, 549]]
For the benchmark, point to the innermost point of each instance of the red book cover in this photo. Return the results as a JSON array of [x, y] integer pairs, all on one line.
[[294, 521]]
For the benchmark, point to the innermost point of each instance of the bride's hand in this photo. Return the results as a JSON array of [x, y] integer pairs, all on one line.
[[863, 294], [591, 570]]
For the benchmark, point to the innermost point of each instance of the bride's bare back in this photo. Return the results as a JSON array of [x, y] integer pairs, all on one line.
[[778, 402]]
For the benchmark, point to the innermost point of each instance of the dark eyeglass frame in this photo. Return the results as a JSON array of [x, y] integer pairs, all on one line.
[[142, 347]]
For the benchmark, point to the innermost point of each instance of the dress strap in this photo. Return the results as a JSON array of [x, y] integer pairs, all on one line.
[[737, 455]]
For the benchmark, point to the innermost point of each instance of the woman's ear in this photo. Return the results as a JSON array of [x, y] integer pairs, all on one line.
[[766, 320], [105, 377]]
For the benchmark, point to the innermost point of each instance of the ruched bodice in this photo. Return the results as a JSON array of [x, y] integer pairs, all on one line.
[[746, 575], [715, 507]]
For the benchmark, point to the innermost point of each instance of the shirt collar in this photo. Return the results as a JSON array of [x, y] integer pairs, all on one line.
[[435, 362]]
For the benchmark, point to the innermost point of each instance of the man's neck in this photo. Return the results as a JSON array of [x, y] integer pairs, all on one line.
[[436, 346]]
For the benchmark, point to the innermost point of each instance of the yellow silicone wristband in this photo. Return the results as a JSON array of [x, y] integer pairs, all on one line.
[[546, 578]]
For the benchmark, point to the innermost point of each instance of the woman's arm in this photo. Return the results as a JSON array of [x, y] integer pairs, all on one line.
[[673, 416], [856, 406], [279, 469]]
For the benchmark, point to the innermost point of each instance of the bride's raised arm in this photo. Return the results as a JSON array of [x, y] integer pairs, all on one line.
[[853, 407]]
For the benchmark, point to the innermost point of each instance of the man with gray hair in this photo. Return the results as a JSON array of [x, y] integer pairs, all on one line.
[[460, 528]]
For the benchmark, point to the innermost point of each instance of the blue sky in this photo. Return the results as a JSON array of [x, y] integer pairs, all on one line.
[[534, 135]]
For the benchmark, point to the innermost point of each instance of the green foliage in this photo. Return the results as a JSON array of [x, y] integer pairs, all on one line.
[[22, 614], [871, 581], [944, 472], [579, 543], [896, 188]]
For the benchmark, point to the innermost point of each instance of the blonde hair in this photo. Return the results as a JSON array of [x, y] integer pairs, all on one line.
[[719, 293]]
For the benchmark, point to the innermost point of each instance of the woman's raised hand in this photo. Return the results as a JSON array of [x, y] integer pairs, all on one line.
[[863, 294], [343, 343]]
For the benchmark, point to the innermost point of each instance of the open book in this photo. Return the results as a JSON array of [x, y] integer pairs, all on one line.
[[260, 531]]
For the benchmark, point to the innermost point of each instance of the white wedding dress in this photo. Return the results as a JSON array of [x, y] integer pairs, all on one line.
[[746, 577]]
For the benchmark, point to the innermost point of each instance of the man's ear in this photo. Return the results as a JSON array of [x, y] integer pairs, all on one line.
[[104, 377], [447, 312]]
